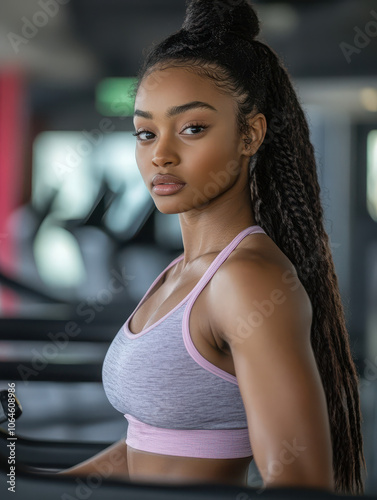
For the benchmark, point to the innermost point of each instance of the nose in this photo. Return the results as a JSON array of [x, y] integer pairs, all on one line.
[[161, 161], [164, 153]]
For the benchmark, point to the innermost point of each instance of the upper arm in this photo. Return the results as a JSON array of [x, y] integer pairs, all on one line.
[[266, 317]]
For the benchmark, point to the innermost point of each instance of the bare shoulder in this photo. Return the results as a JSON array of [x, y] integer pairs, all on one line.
[[258, 285], [263, 312]]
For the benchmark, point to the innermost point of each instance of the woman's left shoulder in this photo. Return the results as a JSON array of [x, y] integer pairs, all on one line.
[[257, 281], [260, 272], [258, 258]]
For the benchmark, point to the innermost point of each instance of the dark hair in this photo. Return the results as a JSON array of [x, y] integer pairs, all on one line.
[[217, 40]]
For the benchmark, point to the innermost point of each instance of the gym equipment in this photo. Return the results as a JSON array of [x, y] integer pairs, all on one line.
[[32, 476]]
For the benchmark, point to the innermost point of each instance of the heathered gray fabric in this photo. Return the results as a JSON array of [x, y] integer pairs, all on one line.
[[154, 378]]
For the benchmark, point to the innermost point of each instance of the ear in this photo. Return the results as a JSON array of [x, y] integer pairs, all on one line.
[[257, 131]]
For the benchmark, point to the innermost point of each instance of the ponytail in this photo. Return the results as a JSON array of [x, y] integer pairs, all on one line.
[[218, 41]]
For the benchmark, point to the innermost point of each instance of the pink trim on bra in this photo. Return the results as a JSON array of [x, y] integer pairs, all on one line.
[[198, 443]]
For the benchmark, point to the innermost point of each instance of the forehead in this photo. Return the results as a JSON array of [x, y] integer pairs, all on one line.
[[175, 86]]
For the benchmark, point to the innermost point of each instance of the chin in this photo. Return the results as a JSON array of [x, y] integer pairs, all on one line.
[[170, 206], [171, 209], [167, 212], [179, 207]]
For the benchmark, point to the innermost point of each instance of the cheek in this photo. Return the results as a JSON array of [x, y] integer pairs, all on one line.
[[211, 158]]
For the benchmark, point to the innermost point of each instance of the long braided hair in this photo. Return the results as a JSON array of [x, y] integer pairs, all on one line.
[[217, 40]]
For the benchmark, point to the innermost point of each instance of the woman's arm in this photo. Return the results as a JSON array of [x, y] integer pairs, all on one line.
[[111, 461], [264, 314]]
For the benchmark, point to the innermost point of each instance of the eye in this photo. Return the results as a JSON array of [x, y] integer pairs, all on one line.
[[191, 125], [137, 134], [196, 125]]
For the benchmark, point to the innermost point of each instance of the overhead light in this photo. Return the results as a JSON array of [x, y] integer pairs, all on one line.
[[114, 96], [368, 98], [279, 18]]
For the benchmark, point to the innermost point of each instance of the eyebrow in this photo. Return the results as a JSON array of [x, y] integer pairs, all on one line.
[[176, 110]]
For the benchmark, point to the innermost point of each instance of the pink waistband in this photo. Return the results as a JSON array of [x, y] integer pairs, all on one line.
[[198, 443]]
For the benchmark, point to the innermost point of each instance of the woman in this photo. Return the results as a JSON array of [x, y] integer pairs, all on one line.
[[256, 365]]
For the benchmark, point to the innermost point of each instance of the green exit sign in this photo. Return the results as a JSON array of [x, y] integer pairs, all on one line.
[[115, 96]]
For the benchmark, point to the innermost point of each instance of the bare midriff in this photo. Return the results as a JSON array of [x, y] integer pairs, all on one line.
[[152, 467]]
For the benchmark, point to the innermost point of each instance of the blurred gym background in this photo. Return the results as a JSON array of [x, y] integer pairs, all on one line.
[[80, 239]]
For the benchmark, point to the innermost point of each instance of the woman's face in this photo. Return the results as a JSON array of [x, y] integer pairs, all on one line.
[[198, 144]]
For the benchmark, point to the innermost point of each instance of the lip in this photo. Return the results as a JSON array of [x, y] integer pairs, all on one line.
[[166, 179], [167, 189]]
